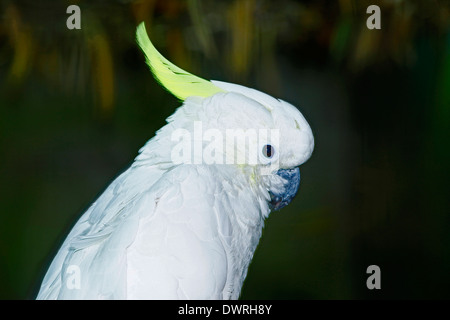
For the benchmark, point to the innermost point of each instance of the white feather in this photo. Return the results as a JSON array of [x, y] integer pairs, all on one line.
[[165, 231]]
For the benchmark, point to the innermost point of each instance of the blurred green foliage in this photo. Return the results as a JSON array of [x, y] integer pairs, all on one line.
[[76, 105]]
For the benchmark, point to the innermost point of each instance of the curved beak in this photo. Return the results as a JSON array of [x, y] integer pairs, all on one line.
[[281, 199]]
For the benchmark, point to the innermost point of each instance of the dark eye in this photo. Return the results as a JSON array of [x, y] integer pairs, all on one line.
[[268, 151]]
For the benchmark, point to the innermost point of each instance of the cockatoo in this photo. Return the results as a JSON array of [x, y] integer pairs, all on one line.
[[183, 224]]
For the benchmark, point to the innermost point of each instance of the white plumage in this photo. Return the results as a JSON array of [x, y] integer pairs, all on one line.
[[181, 231]]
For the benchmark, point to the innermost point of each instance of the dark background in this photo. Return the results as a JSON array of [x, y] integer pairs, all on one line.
[[76, 105]]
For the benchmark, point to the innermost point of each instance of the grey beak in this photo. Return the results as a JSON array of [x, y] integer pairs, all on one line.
[[290, 188]]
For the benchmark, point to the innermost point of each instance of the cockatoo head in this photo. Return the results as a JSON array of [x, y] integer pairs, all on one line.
[[229, 124]]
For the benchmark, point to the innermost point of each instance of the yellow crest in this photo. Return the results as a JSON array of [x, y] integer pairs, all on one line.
[[180, 83]]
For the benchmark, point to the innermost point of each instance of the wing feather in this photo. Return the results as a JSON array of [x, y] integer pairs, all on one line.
[[98, 239]]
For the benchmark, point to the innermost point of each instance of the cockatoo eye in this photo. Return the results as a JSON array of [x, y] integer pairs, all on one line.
[[268, 154], [268, 151]]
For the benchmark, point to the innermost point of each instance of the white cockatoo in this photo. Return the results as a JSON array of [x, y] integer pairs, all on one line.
[[183, 222]]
